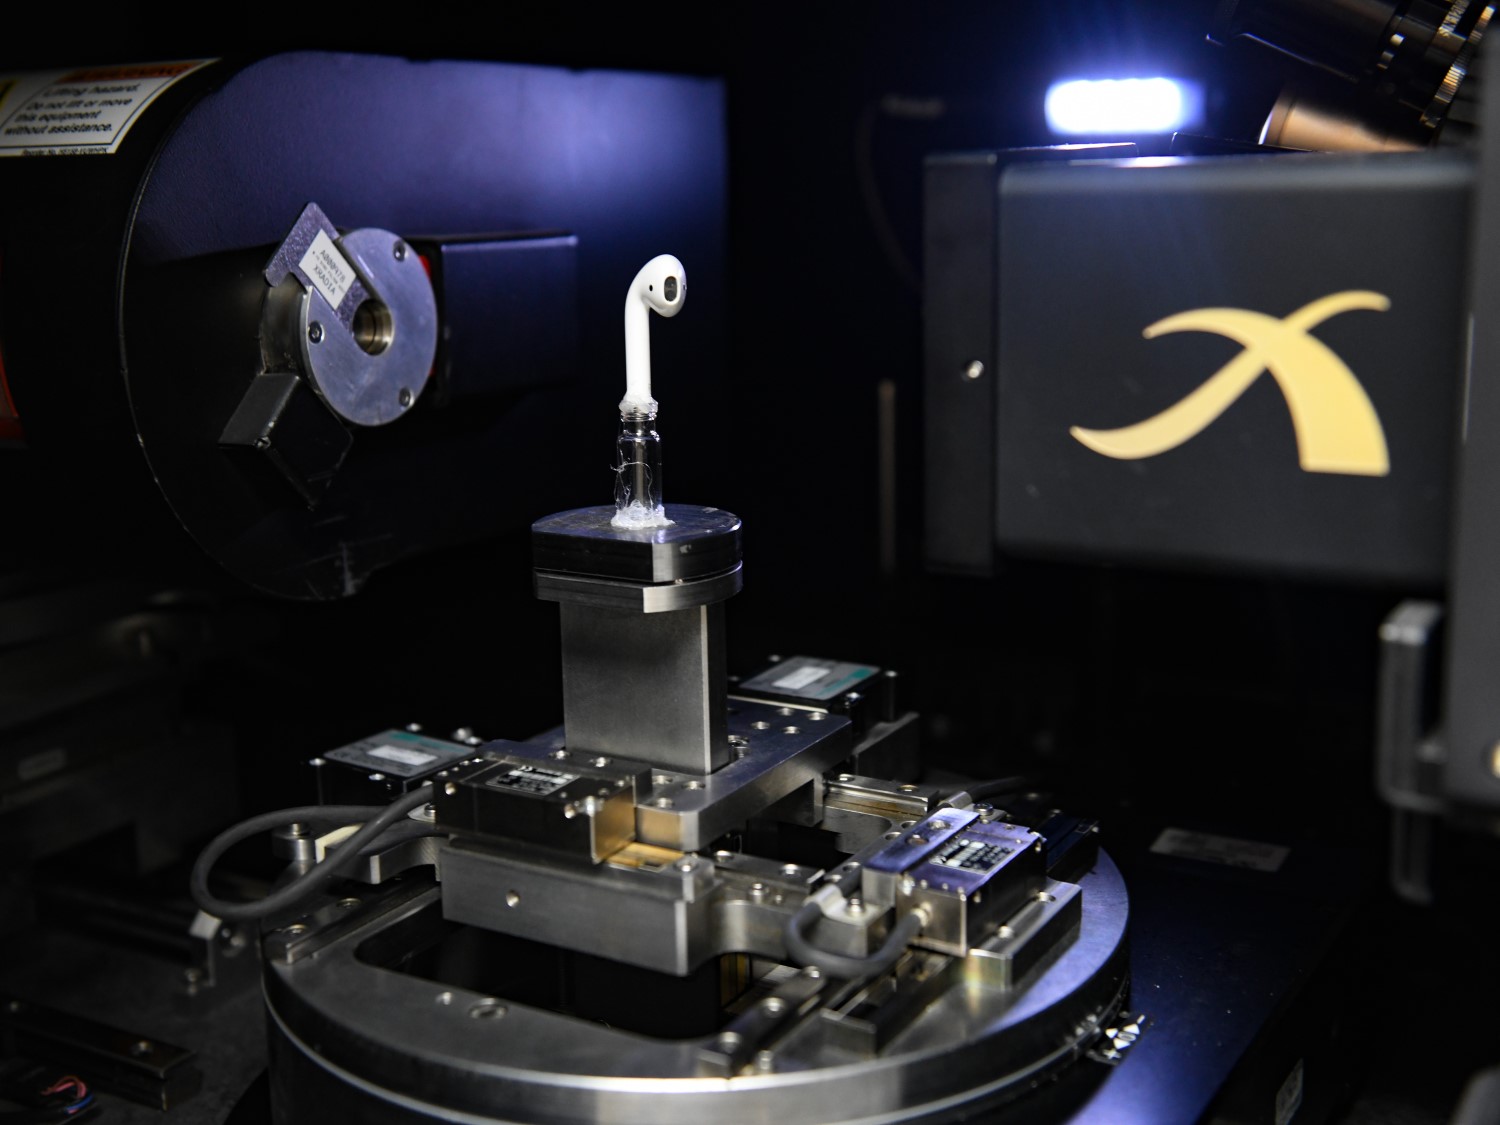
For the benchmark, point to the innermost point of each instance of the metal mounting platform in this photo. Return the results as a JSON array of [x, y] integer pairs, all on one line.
[[353, 1040]]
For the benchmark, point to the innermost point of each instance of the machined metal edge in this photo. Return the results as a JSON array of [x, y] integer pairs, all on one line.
[[780, 749], [422, 1050], [615, 593]]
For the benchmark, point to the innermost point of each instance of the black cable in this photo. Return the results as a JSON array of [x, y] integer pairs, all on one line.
[[377, 818], [841, 965], [901, 108], [995, 787], [400, 833], [998, 786]]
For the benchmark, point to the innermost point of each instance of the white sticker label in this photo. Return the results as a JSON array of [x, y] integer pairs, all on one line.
[[534, 780], [1289, 1097], [807, 674], [328, 268], [73, 112], [1221, 849], [404, 756]]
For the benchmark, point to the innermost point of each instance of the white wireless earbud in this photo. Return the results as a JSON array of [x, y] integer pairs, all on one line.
[[661, 285]]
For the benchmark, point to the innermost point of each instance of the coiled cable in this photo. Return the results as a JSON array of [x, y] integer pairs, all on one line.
[[377, 819], [801, 950]]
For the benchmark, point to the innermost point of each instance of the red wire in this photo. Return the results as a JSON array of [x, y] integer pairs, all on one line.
[[80, 1091]]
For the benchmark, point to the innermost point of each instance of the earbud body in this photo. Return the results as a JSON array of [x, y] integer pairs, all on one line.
[[661, 285]]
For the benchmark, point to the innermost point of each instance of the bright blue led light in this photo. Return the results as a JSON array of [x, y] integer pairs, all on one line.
[[1100, 107]]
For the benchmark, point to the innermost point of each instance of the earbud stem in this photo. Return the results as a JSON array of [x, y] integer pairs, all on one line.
[[637, 357]]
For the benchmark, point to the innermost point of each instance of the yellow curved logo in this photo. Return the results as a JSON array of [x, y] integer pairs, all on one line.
[[1337, 428]]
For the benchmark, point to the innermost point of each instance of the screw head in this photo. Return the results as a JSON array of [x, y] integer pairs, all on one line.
[[400, 251], [315, 332], [405, 397], [974, 370]]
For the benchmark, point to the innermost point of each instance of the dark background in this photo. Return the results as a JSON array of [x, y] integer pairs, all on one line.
[[1242, 704], [824, 220]]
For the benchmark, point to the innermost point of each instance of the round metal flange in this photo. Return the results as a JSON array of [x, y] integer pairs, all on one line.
[[351, 1041], [700, 542], [372, 371]]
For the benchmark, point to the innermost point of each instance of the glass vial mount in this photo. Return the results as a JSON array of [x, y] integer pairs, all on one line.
[[638, 502]]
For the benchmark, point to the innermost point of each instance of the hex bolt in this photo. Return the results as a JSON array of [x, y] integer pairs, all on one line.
[[315, 332]]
